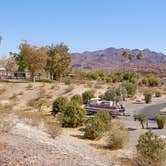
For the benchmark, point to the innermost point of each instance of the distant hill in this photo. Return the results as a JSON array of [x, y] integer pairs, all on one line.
[[111, 58]]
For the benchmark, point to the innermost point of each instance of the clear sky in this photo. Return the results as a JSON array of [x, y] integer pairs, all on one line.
[[84, 24]]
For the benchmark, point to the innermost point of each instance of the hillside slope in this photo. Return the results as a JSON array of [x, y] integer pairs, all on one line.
[[112, 58]]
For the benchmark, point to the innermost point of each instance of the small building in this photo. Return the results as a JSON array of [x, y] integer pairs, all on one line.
[[3, 72], [21, 75]]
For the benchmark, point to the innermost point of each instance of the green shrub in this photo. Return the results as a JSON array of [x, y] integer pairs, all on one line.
[[73, 115], [110, 94], [131, 89], [92, 76], [148, 97], [78, 99], [87, 95], [158, 94], [151, 80], [118, 136], [94, 128], [142, 118], [67, 81], [59, 105], [117, 77], [151, 150], [105, 118], [161, 121], [109, 79], [131, 77]]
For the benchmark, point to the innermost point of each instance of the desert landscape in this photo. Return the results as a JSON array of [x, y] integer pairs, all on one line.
[[82, 83]]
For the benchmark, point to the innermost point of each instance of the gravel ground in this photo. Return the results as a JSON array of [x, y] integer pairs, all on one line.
[[29, 146]]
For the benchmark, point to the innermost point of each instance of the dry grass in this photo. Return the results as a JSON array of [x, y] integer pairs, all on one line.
[[29, 87], [52, 126], [5, 125], [37, 103], [54, 87], [2, 90], [98, 86], [88, 85], [13, 97], [69, 89]]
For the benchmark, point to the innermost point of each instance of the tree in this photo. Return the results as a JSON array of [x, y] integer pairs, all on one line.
[[58, 61], [21, 62], [35, 58], [127, 56], [151, 150], [139, 56], [142, 118], [12, 65], [131, 88]]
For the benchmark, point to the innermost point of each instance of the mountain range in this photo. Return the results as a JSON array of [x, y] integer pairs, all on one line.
[[111, 58]]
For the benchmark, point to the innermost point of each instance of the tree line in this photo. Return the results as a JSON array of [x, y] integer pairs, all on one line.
[[54, 60]]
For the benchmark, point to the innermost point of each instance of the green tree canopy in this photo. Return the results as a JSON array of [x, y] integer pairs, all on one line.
[[58, 61]]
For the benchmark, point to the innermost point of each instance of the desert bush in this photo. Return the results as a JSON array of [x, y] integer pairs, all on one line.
[[131, 89], [161, 121], [142, 118], [151, 150], [67, 81], [106, 118], [78, 99], [87, 95], [117, 77], [97, 125], [151, 80], [92, 76], [158, 94], [59, 105], [94, 129], [148, 97], [130, 76], [73, 115], [109, 79], [118, 136]]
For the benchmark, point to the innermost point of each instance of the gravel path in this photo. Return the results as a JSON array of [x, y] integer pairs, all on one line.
[[28, 146]]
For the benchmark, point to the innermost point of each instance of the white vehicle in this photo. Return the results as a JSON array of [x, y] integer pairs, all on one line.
[[163, 111]]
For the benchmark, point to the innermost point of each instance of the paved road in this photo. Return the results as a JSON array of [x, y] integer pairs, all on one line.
[[153, 110]]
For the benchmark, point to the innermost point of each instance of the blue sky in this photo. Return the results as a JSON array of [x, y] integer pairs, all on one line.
[[84, 24]]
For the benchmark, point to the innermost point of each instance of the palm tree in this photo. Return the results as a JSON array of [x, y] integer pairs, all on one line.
[[128, 56], [139, 56]]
